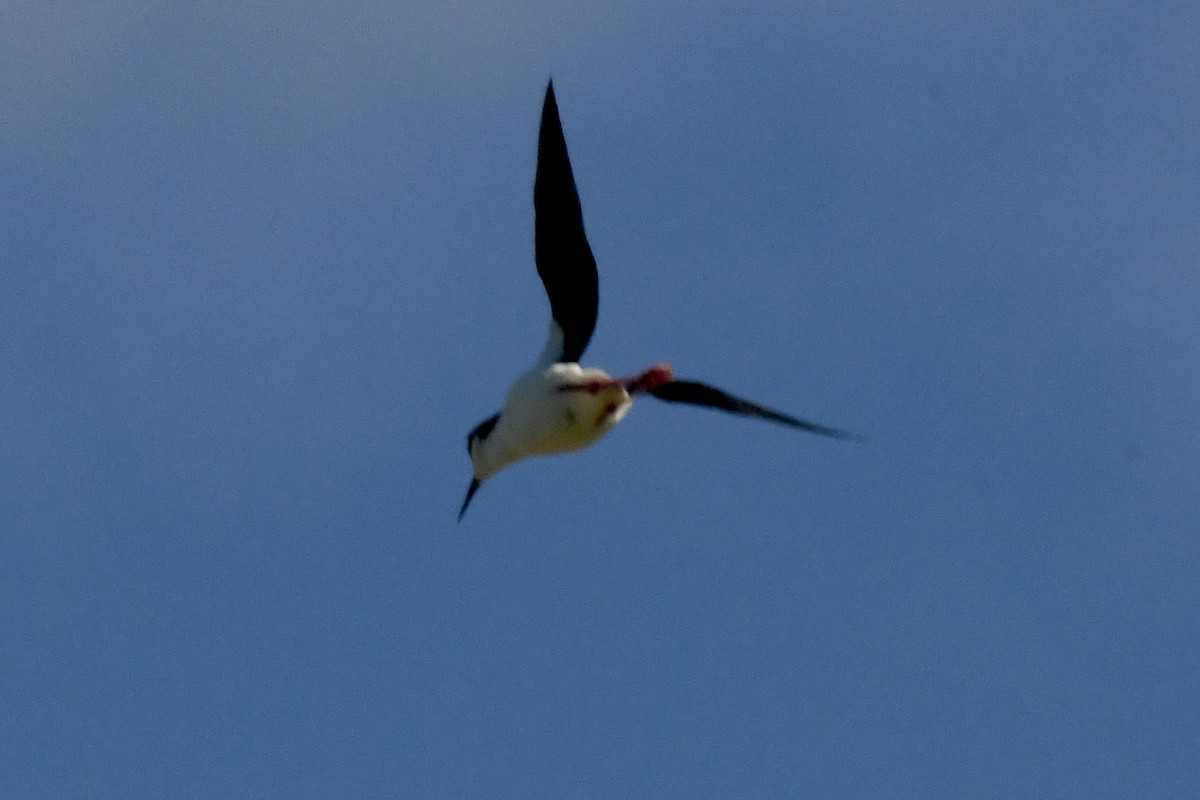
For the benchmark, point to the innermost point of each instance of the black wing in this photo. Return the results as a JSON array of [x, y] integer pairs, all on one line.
[[564, 259], [699, 394]]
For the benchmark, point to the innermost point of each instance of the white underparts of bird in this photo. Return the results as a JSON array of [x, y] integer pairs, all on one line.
[[559, 406]]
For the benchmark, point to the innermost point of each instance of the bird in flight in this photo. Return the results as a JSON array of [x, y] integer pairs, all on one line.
[[559, 406]]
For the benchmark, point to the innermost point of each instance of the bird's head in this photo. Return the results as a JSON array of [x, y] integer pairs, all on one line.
[[480, 466]]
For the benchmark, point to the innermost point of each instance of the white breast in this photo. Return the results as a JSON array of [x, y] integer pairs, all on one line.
[[539, 417]]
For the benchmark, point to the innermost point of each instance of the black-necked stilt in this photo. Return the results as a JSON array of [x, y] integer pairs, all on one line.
[[558, 405]]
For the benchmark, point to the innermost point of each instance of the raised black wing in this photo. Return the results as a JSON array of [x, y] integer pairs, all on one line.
[[564, 259], [699, 394]]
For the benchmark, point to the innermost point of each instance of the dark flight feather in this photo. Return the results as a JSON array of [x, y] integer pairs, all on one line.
[[699, 394], [564, 258]]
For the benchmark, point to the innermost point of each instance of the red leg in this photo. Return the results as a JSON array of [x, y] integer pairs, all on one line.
[[648, 381], [651, 379]]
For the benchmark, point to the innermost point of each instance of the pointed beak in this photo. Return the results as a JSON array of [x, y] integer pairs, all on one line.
[[467, 501]]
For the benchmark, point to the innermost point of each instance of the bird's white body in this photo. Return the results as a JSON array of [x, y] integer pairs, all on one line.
[[552, 408]]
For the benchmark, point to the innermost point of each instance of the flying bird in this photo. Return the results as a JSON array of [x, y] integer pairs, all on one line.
[[559, 406]]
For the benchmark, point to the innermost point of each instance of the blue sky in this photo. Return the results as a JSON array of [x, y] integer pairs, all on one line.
[[263, 269]]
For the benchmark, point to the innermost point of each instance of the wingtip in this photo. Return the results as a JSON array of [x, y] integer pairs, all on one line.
[[838, 433]]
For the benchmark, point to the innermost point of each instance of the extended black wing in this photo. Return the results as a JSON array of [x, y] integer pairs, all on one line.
[[699, 394], [564, 259]]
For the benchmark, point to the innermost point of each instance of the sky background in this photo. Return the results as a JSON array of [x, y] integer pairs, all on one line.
[[262, 269]]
